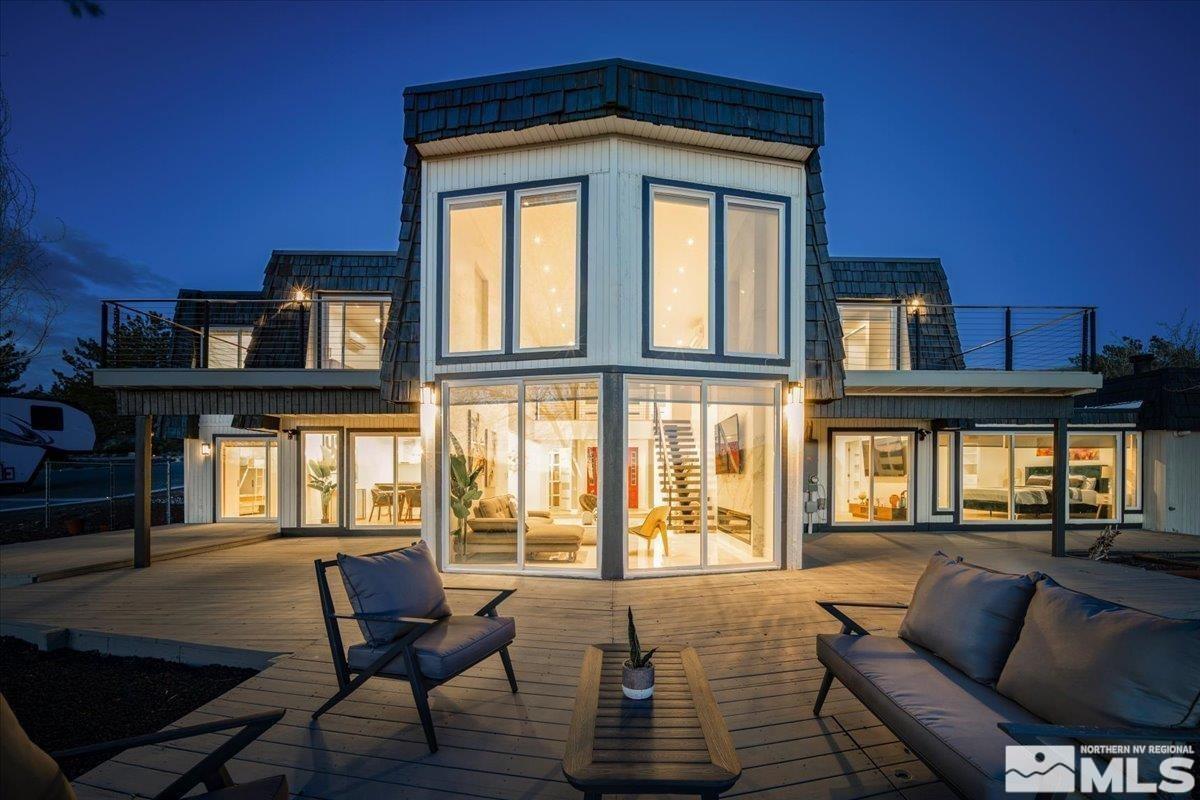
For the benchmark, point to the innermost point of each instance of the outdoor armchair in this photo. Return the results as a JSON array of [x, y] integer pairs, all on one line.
[[29, 769], [410, 634]]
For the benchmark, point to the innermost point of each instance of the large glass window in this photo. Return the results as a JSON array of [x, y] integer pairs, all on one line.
[[352, 332], [986, 476], [524, 474], [1133, 468], [701, 464], [227, 347], [945, 471], [753, 291], [681, 271], [387, 479], [548, 237], [474, 291], [246, 475], [1092, 474], [870, 336], [321, 463], [562, 473], [872, 478]]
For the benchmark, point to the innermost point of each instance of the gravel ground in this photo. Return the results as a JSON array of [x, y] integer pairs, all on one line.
[[67, 699]]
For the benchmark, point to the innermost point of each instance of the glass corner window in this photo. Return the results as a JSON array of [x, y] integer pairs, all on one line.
[[474, 274], [754, 253], [548, 268], [682, 270]]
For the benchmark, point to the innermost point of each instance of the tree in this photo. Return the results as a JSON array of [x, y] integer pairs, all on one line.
[[1178, 346], [140, 341], [27, 304], [13, 361]]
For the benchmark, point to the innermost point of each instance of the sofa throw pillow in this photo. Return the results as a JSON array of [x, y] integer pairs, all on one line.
[[402, 583], [1081, 660], [968, 615]]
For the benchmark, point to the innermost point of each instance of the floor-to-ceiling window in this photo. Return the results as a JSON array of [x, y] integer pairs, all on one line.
[[1133, 470], [386, 468], [944, 469], [702, 461], [320, 453], [872, 478], [522, 474], [246, 475]]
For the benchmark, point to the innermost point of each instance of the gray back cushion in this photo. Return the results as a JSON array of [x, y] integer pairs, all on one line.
[[403, 583], [1085, 661], [967, 615]]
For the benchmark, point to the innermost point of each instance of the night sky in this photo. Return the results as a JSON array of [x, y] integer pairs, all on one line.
[[1049, 154]]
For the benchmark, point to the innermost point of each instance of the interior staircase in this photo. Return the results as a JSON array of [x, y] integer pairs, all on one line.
[[680, 474]]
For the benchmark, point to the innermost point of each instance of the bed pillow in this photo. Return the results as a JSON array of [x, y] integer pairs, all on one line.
[[1039, 480], [402, 583], [1075, 481], [968, 615], [1081, 660], [1089, 484]]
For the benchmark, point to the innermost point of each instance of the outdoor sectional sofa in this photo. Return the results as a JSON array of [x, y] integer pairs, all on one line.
[[985, 660]]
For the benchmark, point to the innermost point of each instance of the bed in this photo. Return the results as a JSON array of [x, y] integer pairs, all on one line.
[[1035, 498]]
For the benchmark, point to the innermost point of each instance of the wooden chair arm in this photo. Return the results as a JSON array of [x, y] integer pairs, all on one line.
[[1033, 734], [211, 769]]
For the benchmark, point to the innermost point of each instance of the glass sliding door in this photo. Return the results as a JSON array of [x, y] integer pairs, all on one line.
[[702, 462], [872, 478], [246, 471], [561, 486], [523, 474], [387, 479], [320, 455], [986, 464]]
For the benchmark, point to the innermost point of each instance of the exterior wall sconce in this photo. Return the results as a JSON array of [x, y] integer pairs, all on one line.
[[428, 394], [795, 393], [206, 449], [299, 295]]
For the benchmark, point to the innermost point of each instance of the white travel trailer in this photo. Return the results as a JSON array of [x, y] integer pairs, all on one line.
[[31, 429]]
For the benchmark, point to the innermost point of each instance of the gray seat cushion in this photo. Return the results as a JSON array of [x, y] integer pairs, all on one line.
[[402, 583], [967, 615], [450, 647], [1085, 661], [945, 717]]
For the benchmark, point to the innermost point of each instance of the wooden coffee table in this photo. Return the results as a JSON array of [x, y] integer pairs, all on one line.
[[674, 743]]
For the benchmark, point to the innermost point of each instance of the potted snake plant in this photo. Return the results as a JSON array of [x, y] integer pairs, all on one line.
[[637, 676]]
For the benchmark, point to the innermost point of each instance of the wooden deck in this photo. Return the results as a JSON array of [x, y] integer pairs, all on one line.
[[68, 556], [754, 633]]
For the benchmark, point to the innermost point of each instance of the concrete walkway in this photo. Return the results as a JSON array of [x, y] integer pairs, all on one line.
[[54, 559]]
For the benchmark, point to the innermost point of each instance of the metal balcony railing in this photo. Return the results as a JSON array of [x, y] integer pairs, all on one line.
[[919, 336], [217, 333]]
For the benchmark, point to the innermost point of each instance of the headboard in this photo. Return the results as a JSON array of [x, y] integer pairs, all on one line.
[[1076, 470]]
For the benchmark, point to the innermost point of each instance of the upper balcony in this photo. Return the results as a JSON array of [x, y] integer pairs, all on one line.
[[909, 346], [238, 340]]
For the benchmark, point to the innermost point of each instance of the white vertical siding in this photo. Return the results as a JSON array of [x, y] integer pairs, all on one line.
[[198, 469], [1170, 482], [615, 167]]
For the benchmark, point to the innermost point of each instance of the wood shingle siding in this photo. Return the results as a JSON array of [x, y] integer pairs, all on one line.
[[824, 368]]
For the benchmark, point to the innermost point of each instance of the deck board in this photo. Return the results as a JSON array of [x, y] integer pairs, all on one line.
[[754, 634]]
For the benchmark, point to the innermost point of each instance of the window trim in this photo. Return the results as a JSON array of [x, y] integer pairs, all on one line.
[[717, 289], [510, 324], [781, 333]]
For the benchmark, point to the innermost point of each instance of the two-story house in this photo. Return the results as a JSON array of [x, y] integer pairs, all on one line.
[[612, 343]]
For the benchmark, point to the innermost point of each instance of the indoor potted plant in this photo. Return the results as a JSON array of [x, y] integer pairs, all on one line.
[[637, 676], [322, 477]]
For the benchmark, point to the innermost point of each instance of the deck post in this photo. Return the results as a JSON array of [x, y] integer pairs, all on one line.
[[142, 486], [1058, 525]]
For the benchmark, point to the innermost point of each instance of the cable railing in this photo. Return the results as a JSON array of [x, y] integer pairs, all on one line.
[[220, 333], [919, 336]]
